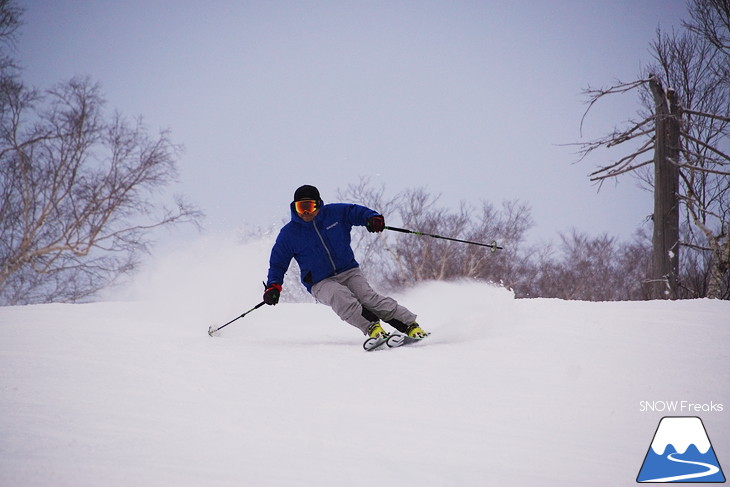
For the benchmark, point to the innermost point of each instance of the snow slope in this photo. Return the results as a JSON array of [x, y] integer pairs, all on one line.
[[505, 392]]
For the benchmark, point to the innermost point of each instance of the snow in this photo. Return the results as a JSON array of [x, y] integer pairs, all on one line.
[[504, 392]]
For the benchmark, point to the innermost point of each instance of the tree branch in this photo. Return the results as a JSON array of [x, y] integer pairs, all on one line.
[[708, 115], [622, 171], [706, 146], [596, 94]]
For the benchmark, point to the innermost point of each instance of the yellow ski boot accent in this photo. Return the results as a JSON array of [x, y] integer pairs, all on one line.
[[376, 331], [415, 331]]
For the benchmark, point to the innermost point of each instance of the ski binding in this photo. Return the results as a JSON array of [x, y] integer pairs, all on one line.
[[372, 343], [398, 340]]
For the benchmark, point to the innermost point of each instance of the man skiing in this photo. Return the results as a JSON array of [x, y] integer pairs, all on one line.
[[318, 237]]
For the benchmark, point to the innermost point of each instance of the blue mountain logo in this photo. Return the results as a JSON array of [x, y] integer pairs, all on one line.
[[681, 452]]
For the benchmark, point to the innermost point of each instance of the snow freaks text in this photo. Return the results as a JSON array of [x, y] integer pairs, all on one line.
[[681, 407]]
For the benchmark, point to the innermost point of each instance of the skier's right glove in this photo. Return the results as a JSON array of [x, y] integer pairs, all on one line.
[[272, 293]]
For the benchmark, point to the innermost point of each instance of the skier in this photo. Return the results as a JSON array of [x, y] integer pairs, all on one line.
[[318, 237]]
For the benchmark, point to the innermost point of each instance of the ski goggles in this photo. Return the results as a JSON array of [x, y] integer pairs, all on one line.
[[306, 206]]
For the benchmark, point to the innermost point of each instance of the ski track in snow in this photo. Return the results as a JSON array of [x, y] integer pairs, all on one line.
[[504, 392]]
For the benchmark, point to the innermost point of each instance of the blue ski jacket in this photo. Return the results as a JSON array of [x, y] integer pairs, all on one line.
[[320, 247]]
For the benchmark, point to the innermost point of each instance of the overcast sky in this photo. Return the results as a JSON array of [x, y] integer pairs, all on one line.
[[470, 99]]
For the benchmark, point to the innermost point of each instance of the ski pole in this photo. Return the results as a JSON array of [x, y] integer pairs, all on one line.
[[212, 330], [492, 245]]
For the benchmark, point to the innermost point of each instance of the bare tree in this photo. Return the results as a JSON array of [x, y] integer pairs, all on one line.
[[423, 258], [10, 21], [79, 192], [711, 20], [395, 260], [710, 207], [686, 127], [592, 269], [371, 252], [581, 267]]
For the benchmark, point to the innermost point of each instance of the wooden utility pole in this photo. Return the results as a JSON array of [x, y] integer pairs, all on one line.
[[665, 241]]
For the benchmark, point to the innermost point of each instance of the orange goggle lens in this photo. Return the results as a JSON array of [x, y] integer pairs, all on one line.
[[305, 206]]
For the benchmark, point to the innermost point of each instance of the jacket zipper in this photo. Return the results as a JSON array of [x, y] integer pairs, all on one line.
[[329, 254]]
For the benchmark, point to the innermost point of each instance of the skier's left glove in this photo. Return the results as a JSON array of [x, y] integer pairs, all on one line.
[[375, 224], [272, 293]]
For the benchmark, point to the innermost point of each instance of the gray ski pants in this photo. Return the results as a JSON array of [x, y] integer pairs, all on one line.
[[348, 293]]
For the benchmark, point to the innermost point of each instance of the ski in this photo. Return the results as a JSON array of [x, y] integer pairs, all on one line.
[[398, 340], [372, 343], [394, 340]]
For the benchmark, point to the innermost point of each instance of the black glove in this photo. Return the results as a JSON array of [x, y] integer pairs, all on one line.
[[272, 293], [375, 224]]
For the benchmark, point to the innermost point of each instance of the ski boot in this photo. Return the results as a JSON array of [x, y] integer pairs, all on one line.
[[413, 334], [415, 331], [376, 337]]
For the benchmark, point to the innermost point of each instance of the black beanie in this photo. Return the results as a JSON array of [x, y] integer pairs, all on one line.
[[306, 192]]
